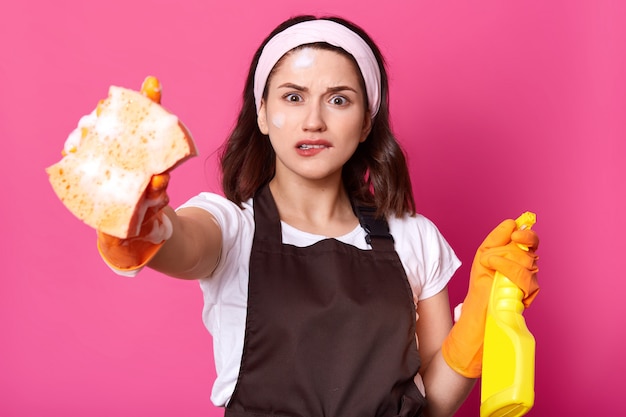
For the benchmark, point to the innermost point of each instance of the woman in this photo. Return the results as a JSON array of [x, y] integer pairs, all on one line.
[[325, 293]]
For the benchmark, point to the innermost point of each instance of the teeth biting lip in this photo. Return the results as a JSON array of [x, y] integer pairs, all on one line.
[[306, 145]]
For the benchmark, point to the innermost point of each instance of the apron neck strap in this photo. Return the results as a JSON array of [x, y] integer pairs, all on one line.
[[377, 228], [266, 218]]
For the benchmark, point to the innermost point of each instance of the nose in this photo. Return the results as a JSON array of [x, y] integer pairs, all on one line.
[[314, 118]]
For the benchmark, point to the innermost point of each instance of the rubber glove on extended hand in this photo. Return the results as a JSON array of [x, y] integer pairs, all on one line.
[[463, 347], [128, 256]]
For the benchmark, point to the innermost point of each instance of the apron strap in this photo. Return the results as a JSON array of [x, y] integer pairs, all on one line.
[[377, 229], [265, 208]]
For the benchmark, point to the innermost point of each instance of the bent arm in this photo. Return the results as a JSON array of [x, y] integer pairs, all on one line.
[[194, 248], [446, 390]]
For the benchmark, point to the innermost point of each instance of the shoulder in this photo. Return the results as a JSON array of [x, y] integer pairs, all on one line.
[[418, 235], [412, 227], [427, 257]]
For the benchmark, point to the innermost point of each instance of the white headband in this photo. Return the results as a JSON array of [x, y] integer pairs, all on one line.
[[312, 31]]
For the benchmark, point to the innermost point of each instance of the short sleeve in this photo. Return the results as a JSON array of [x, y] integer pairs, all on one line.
[[428, 259]]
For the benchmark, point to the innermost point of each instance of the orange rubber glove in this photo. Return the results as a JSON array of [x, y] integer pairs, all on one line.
[[128, 256], [463, 347]]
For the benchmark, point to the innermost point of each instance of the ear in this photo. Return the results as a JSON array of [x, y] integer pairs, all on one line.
[[367, 126], [261, 119]]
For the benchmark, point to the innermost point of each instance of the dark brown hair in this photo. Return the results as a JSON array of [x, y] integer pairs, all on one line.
[[377, 173]]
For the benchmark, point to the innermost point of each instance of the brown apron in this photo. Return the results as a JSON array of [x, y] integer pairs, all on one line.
[[330, 328]]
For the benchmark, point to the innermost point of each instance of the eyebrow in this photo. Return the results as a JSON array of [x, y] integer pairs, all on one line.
[[330, 89]]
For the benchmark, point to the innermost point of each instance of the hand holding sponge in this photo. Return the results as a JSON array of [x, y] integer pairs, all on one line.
[[115, 171]]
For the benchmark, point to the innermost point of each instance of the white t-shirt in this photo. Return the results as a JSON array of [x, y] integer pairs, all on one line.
[[427, 258]]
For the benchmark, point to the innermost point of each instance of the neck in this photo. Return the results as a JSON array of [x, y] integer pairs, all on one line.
[[322, 207]]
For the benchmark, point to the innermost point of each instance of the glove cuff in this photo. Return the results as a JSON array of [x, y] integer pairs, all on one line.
[[464, 358]]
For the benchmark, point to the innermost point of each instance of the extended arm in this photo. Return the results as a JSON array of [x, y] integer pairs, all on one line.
[[186, 244], [194, 248]]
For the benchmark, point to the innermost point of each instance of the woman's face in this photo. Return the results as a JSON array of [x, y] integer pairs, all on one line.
[[314, 113]]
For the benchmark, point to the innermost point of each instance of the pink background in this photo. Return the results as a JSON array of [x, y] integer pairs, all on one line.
[[502, 107]]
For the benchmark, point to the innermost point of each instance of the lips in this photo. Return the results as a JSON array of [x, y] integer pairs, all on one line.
[[311, 147]]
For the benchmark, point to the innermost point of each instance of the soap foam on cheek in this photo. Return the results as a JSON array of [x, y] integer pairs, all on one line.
[[278, 120], [304, 59]]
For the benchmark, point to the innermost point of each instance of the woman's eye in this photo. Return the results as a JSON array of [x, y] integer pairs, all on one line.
[[293, 97], [339, 100]]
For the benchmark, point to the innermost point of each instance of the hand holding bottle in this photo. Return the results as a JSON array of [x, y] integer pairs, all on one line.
[[502, 250]]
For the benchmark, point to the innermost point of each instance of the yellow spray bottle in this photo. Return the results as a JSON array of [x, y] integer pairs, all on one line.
[[508, 375]]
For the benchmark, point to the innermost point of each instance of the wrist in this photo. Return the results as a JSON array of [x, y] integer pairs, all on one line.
[[462, 349]]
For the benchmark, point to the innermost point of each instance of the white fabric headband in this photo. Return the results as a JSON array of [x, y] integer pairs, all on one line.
[[312, 31]]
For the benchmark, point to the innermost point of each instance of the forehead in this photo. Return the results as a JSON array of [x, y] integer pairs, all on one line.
[[313, 58]]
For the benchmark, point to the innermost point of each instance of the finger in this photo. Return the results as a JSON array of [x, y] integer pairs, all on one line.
[[528, 238], [501, 235], [151, 88], [159, 182], [157, 187], [525, 259], [524, 278], [156, 195]]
